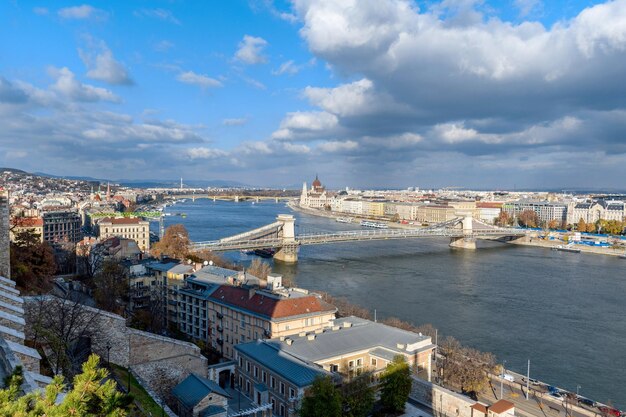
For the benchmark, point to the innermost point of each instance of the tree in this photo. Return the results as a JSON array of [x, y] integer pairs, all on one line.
[[396, 384], [322, 399], [582, 226], [358, 396], [111, 284], [259, 269], [89, 259], [175, 242], [210, 256], [92, 394], [152, 317], [554, 224], [32, 262], [395, 218], [61, 326], [528, 218], [467, 368], [344, 307], [503, 219]]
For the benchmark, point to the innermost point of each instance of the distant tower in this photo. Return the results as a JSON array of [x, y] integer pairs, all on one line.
[[108, 190], [181, 183], [5, 261], [304, 195]]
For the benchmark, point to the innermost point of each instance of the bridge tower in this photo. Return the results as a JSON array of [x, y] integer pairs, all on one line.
[[288, 253], [467, 241], [236, 199]]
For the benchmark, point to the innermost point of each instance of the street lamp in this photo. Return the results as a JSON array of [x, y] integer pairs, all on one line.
[[502, 379], [108, 348]]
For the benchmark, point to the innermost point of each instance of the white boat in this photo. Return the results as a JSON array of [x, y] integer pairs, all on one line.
[[344, 219], [375, 225], [566, 248]]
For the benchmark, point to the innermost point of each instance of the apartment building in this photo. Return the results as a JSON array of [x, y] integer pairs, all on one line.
[[280, 369], [61, 226], [23, 224], [546, 211], [373, 208], [592, 211], [431, 213], [126, 227], [228, 313]]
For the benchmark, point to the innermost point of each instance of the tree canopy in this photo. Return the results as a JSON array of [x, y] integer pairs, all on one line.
[[322, 400], [32, 262], [92, 394], [358, 396], [395, 384], [175, 242]]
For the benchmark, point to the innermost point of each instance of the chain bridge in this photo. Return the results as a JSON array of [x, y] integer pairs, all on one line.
[[280, 235]]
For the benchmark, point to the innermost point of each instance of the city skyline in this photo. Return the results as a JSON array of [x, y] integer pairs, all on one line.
[[491, 95]]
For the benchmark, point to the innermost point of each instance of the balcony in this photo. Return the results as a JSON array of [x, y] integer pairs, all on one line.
[[220, 316], [220, 329]]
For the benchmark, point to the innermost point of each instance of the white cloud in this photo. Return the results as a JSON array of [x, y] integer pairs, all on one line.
[[296, 148], [337, 146], [201, 80], [526, 7], [300, 124], [235, 122], [67, 85], [287, 67], [82, 12], [161, 14], [103, 66], [254, 83], [251, 50], [205, 153], [163, 46]]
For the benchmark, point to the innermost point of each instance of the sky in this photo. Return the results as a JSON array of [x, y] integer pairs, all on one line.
[[485, 94]]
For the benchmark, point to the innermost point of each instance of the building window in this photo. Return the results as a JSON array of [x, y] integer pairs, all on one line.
[[282, 388], [256, 372], [248, 387], [359, 362], [334, 368], [373, 362], [292, 393], [247, 367], [240, 358], [272, 382], [264, 377], [282, 410], [351, 364]]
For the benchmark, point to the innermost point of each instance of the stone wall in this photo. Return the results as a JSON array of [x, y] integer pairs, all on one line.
[[5, 268], [154, 358], [443, 402]]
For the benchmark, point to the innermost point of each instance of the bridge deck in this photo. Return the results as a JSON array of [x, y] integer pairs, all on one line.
[[355, 236]]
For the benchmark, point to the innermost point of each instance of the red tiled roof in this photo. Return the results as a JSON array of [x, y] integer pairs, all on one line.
[[27, 221], [122, 220], [501, 406], [489, 205], [269, 306], [480, 407]]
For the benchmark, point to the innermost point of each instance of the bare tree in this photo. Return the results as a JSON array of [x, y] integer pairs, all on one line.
[[259, 269], [150, 317], [62, 327], [345, 308], [89, 259], [111, 285]]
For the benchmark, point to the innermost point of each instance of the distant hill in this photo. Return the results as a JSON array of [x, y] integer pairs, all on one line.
[[186, 183]]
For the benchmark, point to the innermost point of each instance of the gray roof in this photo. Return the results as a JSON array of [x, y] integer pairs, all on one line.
[[194, 388], [181, 269], [360, 335], [160, 266], [212, 410], [292, 369]]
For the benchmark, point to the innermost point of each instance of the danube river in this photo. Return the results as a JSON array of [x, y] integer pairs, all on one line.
[[565, 312]]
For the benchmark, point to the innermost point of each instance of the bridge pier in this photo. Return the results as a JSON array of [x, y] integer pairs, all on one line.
[[287, 254], [236, 199], [463, 243], [466, 241]]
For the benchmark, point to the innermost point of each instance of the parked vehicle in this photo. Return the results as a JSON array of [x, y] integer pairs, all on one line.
[[508, 377], [532, 381], [556, 395], [609, 411], [586, 401]]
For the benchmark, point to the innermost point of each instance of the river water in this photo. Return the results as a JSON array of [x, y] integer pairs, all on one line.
[[565, 312]]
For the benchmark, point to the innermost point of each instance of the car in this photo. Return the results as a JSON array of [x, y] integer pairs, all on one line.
[[508, 377], [532, 381], [609, 411], [556, 395], [586, 401]]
